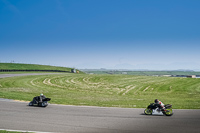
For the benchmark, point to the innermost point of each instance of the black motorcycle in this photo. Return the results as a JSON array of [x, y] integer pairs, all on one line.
[[38, 102], [152, 109]]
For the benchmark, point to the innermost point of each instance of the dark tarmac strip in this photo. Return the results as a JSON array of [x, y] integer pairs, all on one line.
[[82, 119], [25, 74]]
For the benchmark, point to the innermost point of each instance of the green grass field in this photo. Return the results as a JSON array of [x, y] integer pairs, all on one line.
[[18, 66], [4, 131], [127, 91]]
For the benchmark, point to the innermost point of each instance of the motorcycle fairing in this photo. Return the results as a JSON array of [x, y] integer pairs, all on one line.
[[157, 111]]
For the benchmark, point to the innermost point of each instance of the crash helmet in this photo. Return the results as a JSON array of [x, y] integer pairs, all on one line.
[[41, 94], [156, 101]]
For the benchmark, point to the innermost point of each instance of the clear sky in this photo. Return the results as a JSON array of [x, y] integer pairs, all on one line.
[[137, 34]]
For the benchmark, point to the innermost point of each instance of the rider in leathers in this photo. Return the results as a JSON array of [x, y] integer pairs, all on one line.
[[159, 104], [42, 97], [39, 98]]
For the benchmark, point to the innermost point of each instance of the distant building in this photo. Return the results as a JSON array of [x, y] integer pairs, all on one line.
[[91, 73], [73, 70], [124, 72], [166, 75], [191, 76]]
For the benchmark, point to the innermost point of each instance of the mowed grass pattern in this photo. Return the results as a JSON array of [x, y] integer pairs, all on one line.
[[127, 91]]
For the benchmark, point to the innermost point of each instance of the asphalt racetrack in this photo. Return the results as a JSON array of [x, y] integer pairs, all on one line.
[[24, 74], [17, 115]]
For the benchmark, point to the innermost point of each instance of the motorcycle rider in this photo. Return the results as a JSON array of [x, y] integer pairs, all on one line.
[[38, 98], [160, 105], [42, 97]]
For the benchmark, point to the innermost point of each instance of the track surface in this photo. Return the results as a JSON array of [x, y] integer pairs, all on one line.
[[24, 74], [77, 119]]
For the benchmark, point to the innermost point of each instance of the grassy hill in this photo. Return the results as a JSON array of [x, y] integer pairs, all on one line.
[[33, 67]]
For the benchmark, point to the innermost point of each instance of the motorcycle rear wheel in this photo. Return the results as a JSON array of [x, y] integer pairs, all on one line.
[[148, 111]]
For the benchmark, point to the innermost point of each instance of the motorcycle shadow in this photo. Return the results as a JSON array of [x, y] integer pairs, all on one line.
[[151, 115], [35, 106]]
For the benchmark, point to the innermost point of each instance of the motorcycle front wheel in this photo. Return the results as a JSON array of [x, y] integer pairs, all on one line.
[[169, 112], [30, 104], [148, 111]]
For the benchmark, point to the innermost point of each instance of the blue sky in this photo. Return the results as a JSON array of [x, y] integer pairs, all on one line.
[[126, 34]]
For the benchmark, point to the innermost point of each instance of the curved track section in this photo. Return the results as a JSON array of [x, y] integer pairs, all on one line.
[[23, 74], [81, 119]]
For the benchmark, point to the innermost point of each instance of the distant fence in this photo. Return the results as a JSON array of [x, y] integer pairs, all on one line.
[[5, 70]]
